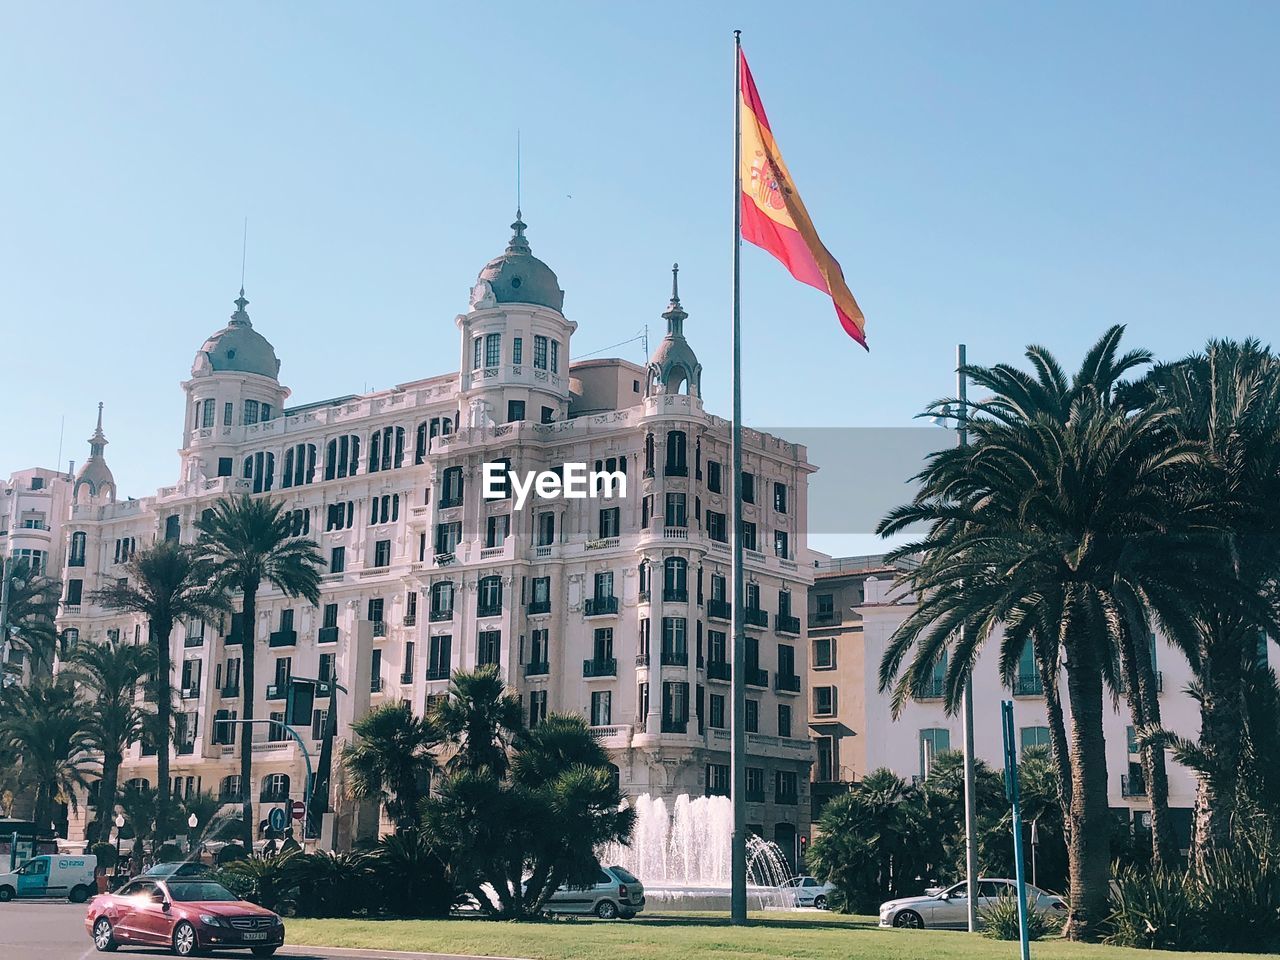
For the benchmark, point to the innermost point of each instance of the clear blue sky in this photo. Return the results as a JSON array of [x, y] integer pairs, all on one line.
[[998, 172]]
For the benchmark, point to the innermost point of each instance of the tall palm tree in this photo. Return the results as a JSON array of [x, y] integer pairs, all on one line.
[[1044, 526], [32, 604], [1228, 401], [167, 585], [109, 673], [392, 760], [45, 729], [247, 542], [481, 718]]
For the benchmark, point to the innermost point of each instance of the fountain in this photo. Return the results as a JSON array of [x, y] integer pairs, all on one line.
[[682, 856]]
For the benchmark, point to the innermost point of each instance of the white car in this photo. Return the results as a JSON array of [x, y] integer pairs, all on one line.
[[949, 909], [808, 891]]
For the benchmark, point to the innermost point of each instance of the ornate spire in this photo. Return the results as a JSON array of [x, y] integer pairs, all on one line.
[[518, 244], [675, 315], [98, 440], [95, 473], [240, 318]]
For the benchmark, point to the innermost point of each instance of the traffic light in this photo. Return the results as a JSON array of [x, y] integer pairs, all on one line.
[[299, 702], [804, 846]]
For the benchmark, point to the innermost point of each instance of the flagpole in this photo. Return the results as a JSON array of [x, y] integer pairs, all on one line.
[[970, 788], [737, 743]]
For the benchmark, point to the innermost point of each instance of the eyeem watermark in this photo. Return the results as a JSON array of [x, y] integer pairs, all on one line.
[[573, 482]]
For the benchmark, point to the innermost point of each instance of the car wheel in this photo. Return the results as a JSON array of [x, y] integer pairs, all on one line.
[[184, 940], [6, 894], [820, 901], [909, 920], [262, 951], [79, 894], [103, 939], [607, 910]]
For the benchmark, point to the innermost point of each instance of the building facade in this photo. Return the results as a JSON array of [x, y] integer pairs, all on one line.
[[854, 609], [615, 608]]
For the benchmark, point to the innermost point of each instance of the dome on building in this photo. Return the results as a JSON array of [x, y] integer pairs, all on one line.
[[95, 476], [518, 276], [237, 348], [674, 367]]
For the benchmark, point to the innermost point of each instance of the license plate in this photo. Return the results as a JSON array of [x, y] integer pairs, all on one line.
[[256, 936]]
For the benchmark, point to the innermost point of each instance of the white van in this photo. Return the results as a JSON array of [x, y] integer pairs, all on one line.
[[51, 875]]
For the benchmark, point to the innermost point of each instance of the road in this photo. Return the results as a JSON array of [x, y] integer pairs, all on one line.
[[48, 930]]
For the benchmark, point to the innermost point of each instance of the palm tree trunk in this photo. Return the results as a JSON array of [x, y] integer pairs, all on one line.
[[1089, 846], [1222, 722], [248, 642], [161, 630], [107, 788], [1048, 663]]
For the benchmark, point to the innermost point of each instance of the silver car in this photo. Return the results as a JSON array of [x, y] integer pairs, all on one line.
[[808, 891], [949, 909], [614, 893]]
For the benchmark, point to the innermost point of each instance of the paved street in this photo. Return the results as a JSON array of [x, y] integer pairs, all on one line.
[[39, 930]]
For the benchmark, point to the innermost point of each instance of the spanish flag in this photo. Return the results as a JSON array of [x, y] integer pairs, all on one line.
[[773, 216]]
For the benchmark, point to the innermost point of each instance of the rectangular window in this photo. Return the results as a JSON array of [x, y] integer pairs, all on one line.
[[537, 707], [517, 352], [439, 664], [548, 414], [748, 487], [1033, 737], [933, 741], [515, 410], [228, 412], [781, 544], [546, 529], [250, 412], [477, 353], [375, 672], [555, 356], [497, 529], [786, 786], [610, 522], [749, 536], [448, 535], [755, 784], [780, 497], [604, 585], [784, 720], [676, 515], [717, 779], [224, 466], [716, 719], [75, 592], [337, 559], [601, 708], [330, 615], [492, 349], [717, 527], [489, 648], [824, 653], [382, 553], [539, 353], [824, 701], [713, 476], [207, 416], [752, 717], [376, 606], [675, 707]]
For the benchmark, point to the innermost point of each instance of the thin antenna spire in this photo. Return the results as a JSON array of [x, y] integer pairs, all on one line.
[[519, 206], [62, 429], [244, 253]]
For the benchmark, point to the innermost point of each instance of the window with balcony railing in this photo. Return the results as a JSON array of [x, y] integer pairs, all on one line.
[[284, 638], [1028, 685], [540, 669], [756, 617], [327, 635], [719, 670], [601, 606], [719, 609], [607, 667], [788, 683], [785, 623], [757, 677]]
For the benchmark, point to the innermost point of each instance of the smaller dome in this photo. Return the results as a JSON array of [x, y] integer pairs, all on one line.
[[674, 367], [519, 277], [95, 474], [237, 348]]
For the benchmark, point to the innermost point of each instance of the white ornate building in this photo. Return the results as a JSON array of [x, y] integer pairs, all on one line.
[[615, 609]]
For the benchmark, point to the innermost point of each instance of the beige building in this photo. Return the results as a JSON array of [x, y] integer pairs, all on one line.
[[613, 608]]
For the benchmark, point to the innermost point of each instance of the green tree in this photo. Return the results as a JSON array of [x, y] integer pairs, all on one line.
[[167, 585], [109, 674], [31, 606], [1048, 525], [391, 760], [245, 543], [44, 727], [480, 719]]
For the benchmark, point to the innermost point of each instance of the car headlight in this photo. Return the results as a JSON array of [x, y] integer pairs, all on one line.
[[209, 920]]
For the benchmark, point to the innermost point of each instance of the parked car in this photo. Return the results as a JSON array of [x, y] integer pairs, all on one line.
[[51, 875], [187, 915], [949, 909], [613, 893], [808, 891], [180, 868]]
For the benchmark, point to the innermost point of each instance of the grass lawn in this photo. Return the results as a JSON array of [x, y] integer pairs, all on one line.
[[684, 936]]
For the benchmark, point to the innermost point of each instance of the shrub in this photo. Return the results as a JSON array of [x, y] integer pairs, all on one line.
[[328, 884], [1000, 920], [1156, 910], [410, 876], [259, 880], [1238, 901], [232, 852], [106, 854], [168, 853]]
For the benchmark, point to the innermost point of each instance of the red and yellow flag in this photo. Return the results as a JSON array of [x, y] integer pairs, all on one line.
[[773, 216]]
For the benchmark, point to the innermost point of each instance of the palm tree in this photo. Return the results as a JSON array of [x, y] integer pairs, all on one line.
[[245, 543], [45, 729], [1046, 525], [32, 604], [166, 585], [1228, 401], [391, 761], [481, 718], [110, 673]]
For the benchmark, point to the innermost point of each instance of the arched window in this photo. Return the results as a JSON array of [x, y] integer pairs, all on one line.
[[275, 788], [648, 454], [75, 556], [489, 597], [386, 449], [644, 579], [442, 600], [420, 443], [260, 468], [137, 784], [341, 457], [299, 465], [229, 789], [675, 579]]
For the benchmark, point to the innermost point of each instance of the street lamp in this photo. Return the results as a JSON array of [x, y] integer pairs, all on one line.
[[119, 822], [193, 821]]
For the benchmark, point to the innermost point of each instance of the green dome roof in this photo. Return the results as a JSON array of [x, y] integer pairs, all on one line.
[[238, 348], [519, 277]]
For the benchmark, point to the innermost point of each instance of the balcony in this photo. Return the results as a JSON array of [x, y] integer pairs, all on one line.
[[277, 691], [600, 667], [601, 606], [675, 470], [284, 638], [719, 609], [194, 640], [643, 596], [602, 543], [675, 532], [1131, 786], [675, 658], [539, 669], [670, 725], [438, 672], [379, 628], [1028, 685], [375, 684], [756, 617], [642, 659], [757, 677], [444, 559], [675, 594], [327, 635], [231, 690], [447, 503], [406, 677], [823, 618], [437, 616], [488, 609], [786, 683], [539, 606], [719, 670], [755, 796], [273, 796], [410, 619], [185, 749], [784, 623]]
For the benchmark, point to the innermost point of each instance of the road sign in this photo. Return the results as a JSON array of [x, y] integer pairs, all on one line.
[[298, 809], [277, 819]]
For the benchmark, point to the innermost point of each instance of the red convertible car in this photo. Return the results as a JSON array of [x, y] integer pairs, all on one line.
[[188, 915]]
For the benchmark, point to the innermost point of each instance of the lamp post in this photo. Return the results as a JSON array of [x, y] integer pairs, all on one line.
[[119, 822]]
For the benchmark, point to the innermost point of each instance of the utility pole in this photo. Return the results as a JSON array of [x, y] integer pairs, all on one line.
[[970, 797]]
